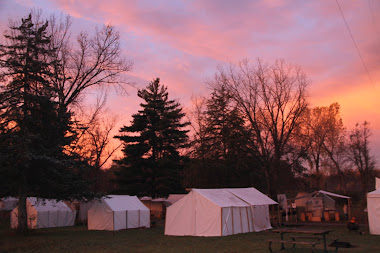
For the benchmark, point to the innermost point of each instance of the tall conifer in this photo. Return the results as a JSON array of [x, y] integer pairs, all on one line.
[[36, 133], [152, 162]]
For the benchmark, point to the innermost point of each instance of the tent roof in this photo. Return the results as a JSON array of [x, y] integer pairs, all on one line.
[[48, 204], [320, 191], [9, 198], [374, 194], [159, 200], [334, 194], [252, 196], [124, 202], [241, 197], [221, 197]]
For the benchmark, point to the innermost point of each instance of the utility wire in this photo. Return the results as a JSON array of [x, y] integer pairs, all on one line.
[[353, 40]]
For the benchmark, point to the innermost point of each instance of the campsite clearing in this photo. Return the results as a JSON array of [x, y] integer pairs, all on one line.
[[79, 239]]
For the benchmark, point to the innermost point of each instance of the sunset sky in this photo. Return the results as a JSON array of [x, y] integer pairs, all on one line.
[[183, 43]]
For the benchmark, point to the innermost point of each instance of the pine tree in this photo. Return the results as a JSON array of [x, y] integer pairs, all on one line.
[[36, 132], [152, 162], [226, 152]]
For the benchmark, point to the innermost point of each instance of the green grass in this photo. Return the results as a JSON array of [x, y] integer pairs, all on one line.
[[79, 239]]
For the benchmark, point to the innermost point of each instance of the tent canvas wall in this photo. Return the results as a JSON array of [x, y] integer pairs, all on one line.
[[46, 213], [373, 209], [117, 212], [218, 212]]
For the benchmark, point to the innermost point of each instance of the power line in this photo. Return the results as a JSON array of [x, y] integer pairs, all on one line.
[[353, 40]]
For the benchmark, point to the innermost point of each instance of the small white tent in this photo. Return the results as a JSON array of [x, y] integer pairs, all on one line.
[[373, 208], [46, 213], [8, 203], [218, 212], [116, 212]]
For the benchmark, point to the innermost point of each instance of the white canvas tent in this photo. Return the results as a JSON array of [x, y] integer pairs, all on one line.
[[219, 212], [46, 213], [8, 203], [373, 208], [117, 212]]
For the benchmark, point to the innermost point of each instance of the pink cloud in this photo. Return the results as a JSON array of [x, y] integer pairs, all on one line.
[[183, 42]]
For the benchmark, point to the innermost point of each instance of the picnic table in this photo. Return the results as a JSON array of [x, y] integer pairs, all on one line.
[[316, 233]]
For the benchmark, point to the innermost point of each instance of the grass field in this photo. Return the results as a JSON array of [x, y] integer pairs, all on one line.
[[79, 239]]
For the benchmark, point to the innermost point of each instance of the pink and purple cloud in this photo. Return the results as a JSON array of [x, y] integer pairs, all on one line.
[[183, 42]]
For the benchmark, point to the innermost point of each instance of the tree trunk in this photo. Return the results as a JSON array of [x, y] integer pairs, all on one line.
[[342, 182], [22, 214], [267, 179]]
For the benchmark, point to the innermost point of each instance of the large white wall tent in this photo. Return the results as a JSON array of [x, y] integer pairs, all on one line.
[[116, 212], [373, 208], [219, 212], [46, 213]]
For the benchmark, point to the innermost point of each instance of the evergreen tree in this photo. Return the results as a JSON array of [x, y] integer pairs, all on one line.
[[152, 162], [225, 153], [36, 132]]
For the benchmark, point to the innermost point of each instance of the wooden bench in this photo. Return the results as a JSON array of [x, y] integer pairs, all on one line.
[[317, 238], [294, 243]]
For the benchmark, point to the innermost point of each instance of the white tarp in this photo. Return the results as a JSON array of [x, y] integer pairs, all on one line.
[[46, 213], [373, 208], [116, 212], [218, 212]]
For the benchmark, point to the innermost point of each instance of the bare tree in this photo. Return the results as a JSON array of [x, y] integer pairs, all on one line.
[[88, 62], [320, 124], [93, 61], [359, 153], [335, 144], [272, 98]]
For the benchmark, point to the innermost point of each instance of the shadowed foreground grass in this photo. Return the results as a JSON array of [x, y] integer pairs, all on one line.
[[79, 239]]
